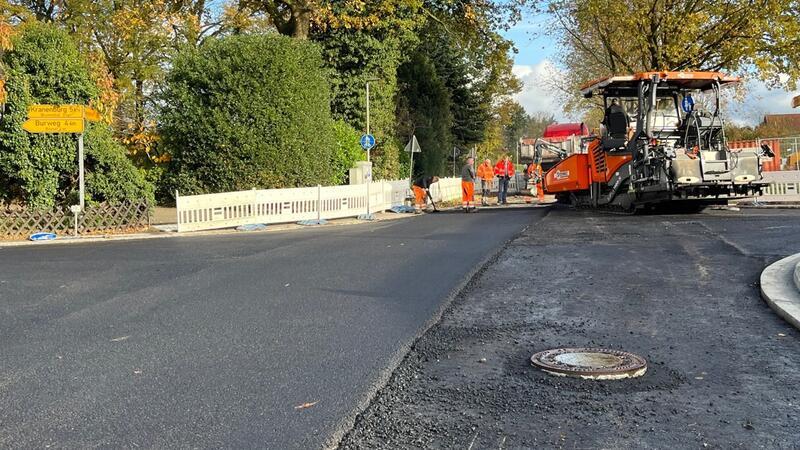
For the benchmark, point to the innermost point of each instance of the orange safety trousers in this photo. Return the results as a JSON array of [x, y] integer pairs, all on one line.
[[467, 192], [419, 197]]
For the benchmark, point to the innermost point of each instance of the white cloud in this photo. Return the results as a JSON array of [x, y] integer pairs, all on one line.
[[758, 101], [537, 95]]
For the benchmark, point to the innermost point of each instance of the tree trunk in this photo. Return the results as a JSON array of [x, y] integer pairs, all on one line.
[[138, 105], [301, 23]]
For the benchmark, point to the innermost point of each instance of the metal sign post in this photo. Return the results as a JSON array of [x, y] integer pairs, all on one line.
[[411, 169], [796, 153], [81, 187], [454, 161], [412, 147], [367, 140], [368, 129], [75, 209], [368, 179]]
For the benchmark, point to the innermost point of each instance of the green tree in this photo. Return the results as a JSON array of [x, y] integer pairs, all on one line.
[[761, 131], [44, 66], [368, 40], [425, 108], [301, 18], [245, 112], [741, 133], [354, 57], [515, 128], [537, 123], [469, 105], [129, 45], [347, 152], [604, 37]]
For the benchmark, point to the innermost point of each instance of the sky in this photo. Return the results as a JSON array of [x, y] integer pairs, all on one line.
[[535, 64]]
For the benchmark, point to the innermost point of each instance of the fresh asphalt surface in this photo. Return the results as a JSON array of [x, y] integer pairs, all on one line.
[[215, 341], [680, 290]]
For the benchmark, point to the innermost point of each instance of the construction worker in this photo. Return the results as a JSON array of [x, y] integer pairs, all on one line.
[[504, 171], [468, 185], [421, 188], [486, 175], [535, 172]]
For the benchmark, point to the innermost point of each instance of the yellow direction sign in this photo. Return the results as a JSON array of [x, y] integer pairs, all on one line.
[[53, 125], [55, 112], [91, 114], [63, 112]]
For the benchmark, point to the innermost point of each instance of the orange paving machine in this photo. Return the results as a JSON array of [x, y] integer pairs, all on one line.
[[558, 141], [656, 146]]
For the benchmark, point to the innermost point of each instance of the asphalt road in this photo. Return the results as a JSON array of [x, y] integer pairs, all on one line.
[[680, 290], [215, 341]]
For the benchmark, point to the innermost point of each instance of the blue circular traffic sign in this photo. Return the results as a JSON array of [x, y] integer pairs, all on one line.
[[367, 141], [687, 104]]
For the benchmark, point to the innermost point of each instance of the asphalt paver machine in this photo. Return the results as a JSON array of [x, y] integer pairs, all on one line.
[[657, 146]]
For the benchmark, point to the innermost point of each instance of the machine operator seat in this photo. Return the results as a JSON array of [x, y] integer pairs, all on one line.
[[698, 129], [616, 123]]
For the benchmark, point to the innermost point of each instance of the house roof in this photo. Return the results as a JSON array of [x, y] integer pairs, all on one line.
[[783, 120]]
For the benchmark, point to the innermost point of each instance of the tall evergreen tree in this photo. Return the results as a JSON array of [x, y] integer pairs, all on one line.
[[425, 106], [469, 106]]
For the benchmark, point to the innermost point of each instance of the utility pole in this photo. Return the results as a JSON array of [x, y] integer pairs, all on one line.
[[81, 186], [368, 117], [411, 169], [454, 161], [796, 149]]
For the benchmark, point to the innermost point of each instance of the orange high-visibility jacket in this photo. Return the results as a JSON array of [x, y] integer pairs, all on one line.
[[485, 172], [500, 169], [534, 168]]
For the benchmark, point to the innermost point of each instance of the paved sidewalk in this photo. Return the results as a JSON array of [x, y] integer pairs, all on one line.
[[163, 215]]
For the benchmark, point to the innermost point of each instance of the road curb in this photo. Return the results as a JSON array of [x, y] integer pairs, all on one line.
[[780, 288], [280, 227], [766, 206], [189, 234]]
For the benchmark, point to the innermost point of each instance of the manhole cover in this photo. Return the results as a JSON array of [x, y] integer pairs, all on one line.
[[590, 363]]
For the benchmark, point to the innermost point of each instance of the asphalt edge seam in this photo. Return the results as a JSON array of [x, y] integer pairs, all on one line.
[[722, 238], [347, 424]]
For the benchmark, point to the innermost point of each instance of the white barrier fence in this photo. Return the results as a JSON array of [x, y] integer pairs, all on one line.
[[232, 209], [516, 185], [784, 186]]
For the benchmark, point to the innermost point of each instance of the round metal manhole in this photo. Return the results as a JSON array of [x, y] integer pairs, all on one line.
[[590, 363]]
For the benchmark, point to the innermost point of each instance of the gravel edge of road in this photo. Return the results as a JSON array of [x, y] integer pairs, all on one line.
[[346, 424], [779, 288]]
